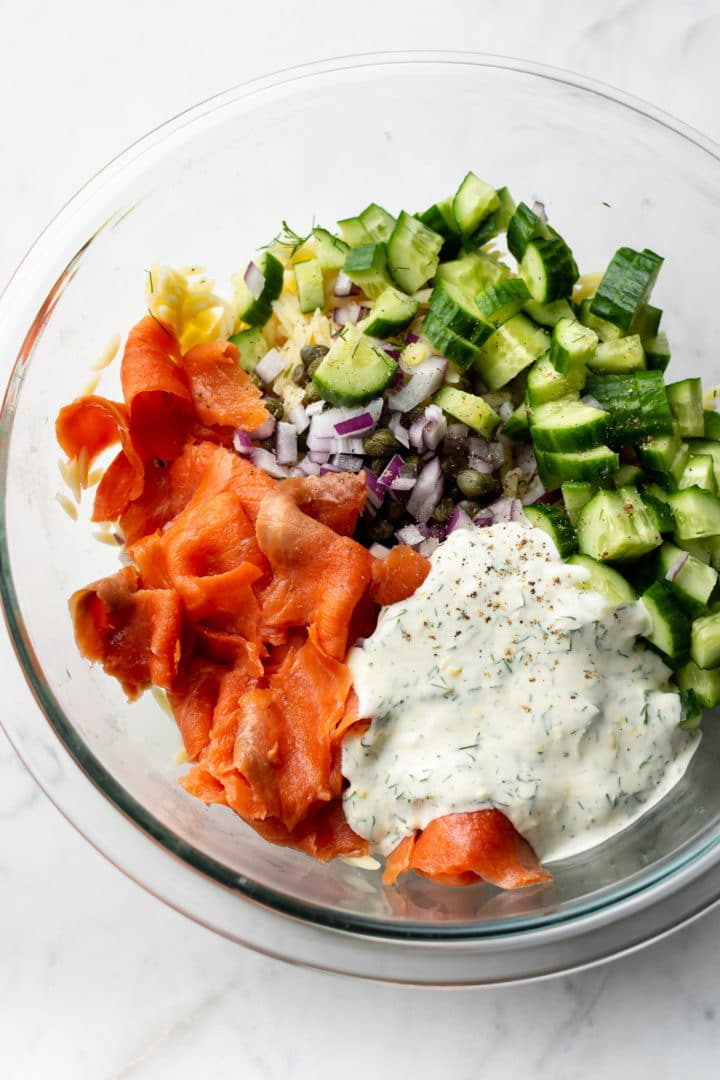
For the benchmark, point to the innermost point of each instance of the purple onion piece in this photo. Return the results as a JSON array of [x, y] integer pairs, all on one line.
[[264, 430], [298, 415], [348, 462], [410, 535], [347, 313], [539, 209], [401, 433], [427, 491], [325, 424], [319, 457], [315, 408], [457, 430], [459, 520], [308, 467], [255, 280], [325, 469], [356, 424], [428, 546], [242, 442], [375, 490], [483, 518], [505, 410], [410, 339], [427, 377], [392, 470], [379, 551]]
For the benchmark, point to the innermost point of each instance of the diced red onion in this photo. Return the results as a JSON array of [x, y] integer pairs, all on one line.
[[432, 529], [428, 546], [298, 415], [401, 433], [415, 433], [356, 424], [504, 510], [535, 493], [677, 566], [391, 351], [410, 535], [242, 442], [481, 466], [483, 518], [343, 284], [459, 520], [315, 408], [325, 469], [347, 313], [435, 427], [270, 366], [396, 476], [526, 463], [286, 443], [325, 425], [379, 551], [505, 410], [266, 460], [427, 491], [348, 462], [264, 430], [426, 379], [548, 497], [410, 339], [375, 491], [319, 457], [255, 280], [539, 209], [308, 467]]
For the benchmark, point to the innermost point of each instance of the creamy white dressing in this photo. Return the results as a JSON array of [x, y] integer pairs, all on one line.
[[501, 684]]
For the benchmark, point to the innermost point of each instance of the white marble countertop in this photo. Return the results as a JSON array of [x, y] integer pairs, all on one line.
[[98, 979]]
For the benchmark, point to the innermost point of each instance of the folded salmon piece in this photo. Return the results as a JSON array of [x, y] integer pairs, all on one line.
[[134, 633], [399, 575], [319, 577], [462, 849], [156, 389], [222, 393]]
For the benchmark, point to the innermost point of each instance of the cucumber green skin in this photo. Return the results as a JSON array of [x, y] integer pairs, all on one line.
[[692, 710], [524, 226], [699, 472], [671, 626], [659, 453], [448, 343], [391, 313], [647, 323], [686, 405], [556, 468], [660, 513], [473, 201], [604, 580], [251, 345], [440, 218], [309, 281], [472, 272], [366, 266], [697, 513], [494, 224], [622, 355], [625, 287], [458, 312], [498, 303], [354, 232], [413, 253], [556, 524], [548, 269], [330, 249], [549, 434], [709, 447], [711, 424], [257, 312], [705, 684], [377, 222], [705, 641], [469, 409], [513, 347], [549, 315], [657, 352], [637, 405], [693, 585], [573, 346]]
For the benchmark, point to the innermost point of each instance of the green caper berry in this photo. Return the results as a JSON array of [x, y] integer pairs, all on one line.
[[377, 464], [444, 510], [297, 375], [477, 485], [469, 506], [381, 443], [274, 406], [311, 356], [380, 531], [311, 394]]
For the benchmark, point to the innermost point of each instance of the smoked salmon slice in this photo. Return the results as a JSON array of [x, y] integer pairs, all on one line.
[[133, 632], [318, 576], [156, 389], [398, 575], [222, 393], [461, 849]]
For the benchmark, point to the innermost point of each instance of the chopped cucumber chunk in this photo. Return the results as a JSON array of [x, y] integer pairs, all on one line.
[[251, 345], [575, 494], [469, 409], [670, 632], [545, 383], [354, 371], [330, 249], [392, 312], [309, 281], [657, 352], [686, 405], [377, 222], [512, 348], [462, 352], [413, 253], [556, 524], [366, 265], [705, 641], [566, 424], [473, 201], [453, 306], [255, 310], [623, 354], [525, 225], [697, 513], [699, 472], [605, 580], [625, 287], [615, 526], [549, 314], [498, 303], [548, 269], [705, 684], [692, 581], [573, 348]]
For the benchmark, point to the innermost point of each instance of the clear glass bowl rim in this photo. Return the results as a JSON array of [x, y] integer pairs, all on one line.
[[700, 859]]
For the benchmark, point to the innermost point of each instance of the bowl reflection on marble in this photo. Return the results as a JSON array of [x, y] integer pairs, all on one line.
[[210, 187]]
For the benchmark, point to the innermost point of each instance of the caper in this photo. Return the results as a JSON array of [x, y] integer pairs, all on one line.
[[297, 374], [381, 443], [257, 381], [416, 413], [469, 506], [444, 510], [477, 485], [311, 355], [394, 511], [380, 531], [378, 464], [274, 406], [453, 463]]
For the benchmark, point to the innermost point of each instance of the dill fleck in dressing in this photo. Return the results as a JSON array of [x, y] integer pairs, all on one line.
[[500, 684]]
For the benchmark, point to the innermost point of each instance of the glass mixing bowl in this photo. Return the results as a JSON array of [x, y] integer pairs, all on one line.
[[319, 142]]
